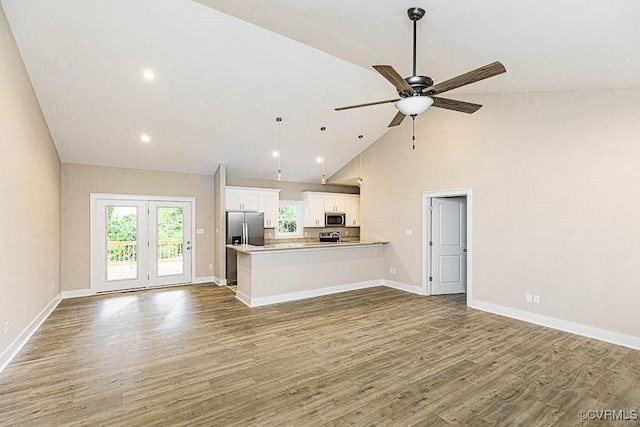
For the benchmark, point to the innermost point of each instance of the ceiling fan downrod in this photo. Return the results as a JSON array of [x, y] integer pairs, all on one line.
[[415, 14]]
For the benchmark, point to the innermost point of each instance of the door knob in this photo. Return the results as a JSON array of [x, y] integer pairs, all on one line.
[[464, 250]]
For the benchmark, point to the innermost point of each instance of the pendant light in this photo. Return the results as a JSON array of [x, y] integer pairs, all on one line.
[[360, 181], [278, 153], [323, 178]]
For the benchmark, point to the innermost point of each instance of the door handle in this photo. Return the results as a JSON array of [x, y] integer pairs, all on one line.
[[188, 248], [464, 250]]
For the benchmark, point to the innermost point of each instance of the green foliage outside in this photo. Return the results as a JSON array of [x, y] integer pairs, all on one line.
[[287, 219], [122, 227]]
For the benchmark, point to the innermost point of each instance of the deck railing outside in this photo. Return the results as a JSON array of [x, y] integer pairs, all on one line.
[[127, 252]]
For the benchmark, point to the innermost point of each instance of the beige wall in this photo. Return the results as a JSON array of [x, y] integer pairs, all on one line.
[[30, 191], [556, 179], [80, 180]]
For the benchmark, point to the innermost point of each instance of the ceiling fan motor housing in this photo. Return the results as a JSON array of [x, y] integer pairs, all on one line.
[[418, 83]]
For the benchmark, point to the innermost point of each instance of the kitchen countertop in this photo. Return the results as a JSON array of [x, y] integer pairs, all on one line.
[[250, 249]]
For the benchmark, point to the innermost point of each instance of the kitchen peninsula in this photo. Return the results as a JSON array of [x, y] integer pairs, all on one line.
[[290, 271]]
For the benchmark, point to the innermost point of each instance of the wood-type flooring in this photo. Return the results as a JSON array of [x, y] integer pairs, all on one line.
[[195, 355]]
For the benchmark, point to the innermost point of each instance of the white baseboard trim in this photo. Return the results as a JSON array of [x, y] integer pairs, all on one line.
[[204, 279], [77, 293], [243, 298], [294, 296], [403, 287], [562, 325], [220, 282], [7, 356]]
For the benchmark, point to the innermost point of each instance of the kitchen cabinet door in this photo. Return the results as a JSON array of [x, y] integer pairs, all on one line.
[[353, 211], [241, 200], [314, 208], [268, 202], [335, 203]]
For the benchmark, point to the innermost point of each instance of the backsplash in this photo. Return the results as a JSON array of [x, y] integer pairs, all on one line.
[[313, 235]]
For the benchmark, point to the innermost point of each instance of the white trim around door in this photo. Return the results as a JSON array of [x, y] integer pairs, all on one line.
[[96, 201], [426, 235]]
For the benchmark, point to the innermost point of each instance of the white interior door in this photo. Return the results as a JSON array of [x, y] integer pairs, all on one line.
[[119, 247], [169, 243], [448, 245]]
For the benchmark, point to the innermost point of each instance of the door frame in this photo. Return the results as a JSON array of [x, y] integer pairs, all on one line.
[[426, 235], [93, 231]]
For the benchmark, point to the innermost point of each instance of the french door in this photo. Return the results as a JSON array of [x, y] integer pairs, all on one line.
[[140, 243]]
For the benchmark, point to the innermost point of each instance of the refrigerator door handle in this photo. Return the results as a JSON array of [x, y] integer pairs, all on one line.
[[244, 233]]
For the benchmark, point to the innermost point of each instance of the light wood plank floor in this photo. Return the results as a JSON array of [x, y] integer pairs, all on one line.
[[196, 356]]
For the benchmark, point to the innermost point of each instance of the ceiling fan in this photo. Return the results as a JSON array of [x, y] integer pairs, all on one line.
[[417, 92]]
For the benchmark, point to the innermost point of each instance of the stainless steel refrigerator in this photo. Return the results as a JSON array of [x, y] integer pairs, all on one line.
[[242, 228]]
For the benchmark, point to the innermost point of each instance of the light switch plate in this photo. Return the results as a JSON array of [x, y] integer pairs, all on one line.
[[408, 232], [199, 230]]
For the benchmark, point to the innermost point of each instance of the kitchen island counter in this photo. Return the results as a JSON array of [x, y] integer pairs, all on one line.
[[304, 245], [291, 271]]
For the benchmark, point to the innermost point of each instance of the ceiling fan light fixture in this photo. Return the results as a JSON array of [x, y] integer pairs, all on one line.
[[414, 105]]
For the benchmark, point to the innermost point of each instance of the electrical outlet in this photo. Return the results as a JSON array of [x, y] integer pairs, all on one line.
[[346, 232], [6, 327], [529, 298], [53, 286], [392, 270], [210, 266], [306, 234], [270, 235], [536, 299]]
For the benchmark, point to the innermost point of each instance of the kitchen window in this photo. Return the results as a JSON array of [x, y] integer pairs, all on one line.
[[289, 219]]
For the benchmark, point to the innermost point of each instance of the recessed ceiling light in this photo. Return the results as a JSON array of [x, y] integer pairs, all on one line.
[[275, 154], [145, 137], [318, 159], [148, 74]]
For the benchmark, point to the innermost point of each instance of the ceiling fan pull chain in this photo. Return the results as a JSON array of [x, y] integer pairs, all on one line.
[[413, 138]]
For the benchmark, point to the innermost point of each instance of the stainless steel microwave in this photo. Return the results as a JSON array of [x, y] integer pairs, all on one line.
[[333, 219]]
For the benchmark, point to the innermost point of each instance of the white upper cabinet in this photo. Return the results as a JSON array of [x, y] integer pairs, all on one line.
[[255, 199], [335, 203], [313, 209], [317, 204], [268, 202], [240, 199], [353, 211]]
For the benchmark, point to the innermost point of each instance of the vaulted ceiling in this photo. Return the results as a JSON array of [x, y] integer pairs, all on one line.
[[224, 70]]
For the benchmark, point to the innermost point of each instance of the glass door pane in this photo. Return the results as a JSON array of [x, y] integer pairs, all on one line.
[[170, 243], [122, 242], [170, 250], [118, 244]]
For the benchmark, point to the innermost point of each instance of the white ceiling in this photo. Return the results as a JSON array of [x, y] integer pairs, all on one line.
[[221, 81]]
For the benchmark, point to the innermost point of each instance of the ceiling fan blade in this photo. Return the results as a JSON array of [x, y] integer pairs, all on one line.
[[452, 104], [396, 79], [467, 78], [397, 119], [367, 104]]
